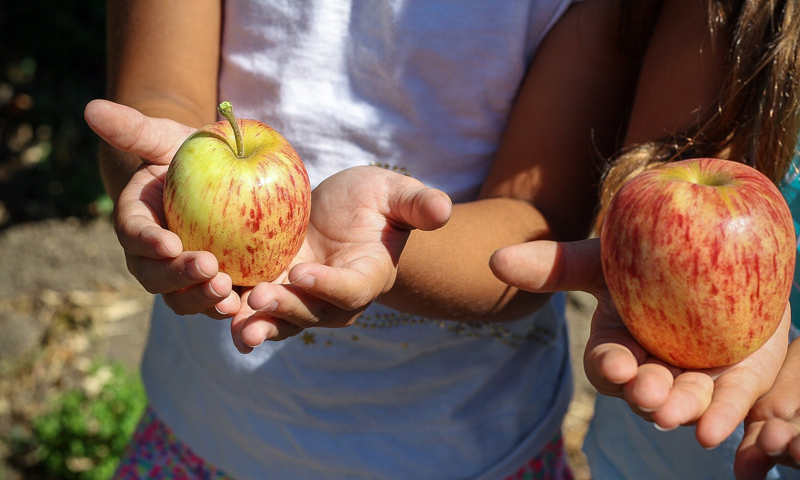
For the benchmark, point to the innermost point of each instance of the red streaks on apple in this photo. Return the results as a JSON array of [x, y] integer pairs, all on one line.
[[698, 257]]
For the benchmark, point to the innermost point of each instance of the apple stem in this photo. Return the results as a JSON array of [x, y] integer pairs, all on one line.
[[226, 110]]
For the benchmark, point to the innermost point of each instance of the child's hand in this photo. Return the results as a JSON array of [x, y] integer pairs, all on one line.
[[772, 429], [189, 281], [360, 221], [617, 365]]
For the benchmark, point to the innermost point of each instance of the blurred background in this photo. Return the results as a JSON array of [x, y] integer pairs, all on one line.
[[52, 55], [73, 320]]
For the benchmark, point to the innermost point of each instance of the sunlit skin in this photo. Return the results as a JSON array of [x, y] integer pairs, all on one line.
[[250, 210], [699, 257]]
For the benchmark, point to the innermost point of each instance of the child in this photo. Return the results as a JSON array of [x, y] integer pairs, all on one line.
[[451, 374], [751, 115]]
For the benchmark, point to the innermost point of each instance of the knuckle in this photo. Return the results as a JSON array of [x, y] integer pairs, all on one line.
[[116, 221], [216, 314], [177, 305], [784, 407], [289, 331], [169, 301], [363, 298], [307, 322], [146, 281]]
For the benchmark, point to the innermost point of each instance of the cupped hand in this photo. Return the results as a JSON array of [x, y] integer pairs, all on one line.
[[772, 428], [189, 282], [360, 221], [716, 400]]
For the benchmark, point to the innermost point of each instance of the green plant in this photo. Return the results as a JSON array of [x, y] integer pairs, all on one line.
[[83, 434]]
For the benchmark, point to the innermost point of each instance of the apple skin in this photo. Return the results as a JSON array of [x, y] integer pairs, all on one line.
[[252, 213], [698, 256]]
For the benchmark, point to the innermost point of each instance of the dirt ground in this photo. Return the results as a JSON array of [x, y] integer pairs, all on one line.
[[66, 297]]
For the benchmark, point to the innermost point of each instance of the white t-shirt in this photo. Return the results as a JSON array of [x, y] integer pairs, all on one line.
[[423, 87]]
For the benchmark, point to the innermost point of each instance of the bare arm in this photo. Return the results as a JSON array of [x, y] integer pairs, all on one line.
[[679, 78], [163, 60], [542, 184], [681, 75]]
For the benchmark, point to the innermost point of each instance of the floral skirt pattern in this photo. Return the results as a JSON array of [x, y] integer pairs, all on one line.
[[155, 453], [550, 464]]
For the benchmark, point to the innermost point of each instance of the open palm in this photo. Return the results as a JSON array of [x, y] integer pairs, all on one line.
[[360, 220], [616, 364], [190, 282]]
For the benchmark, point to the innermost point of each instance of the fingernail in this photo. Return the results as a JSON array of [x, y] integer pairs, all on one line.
[[663, 429], [777, 453], [257, 344], [305, 281], [271, 307], [648, 410], [199, 270], [215, 294], [711, 448], [225, 314]]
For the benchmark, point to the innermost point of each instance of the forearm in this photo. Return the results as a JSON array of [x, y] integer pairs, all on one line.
[[542, 184], [445, 273], [163, 60]]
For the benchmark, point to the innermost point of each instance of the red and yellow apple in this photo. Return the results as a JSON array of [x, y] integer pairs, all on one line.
[[698, 256], [237, 189]]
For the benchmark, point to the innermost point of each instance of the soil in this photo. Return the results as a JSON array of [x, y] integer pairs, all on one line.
[[66, 298]]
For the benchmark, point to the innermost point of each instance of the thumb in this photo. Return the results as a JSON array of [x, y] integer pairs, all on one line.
[[416, 206], [154, 140], [547, 266]]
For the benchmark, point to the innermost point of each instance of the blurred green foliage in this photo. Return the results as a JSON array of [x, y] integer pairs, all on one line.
[[52, 62], [83, 434]]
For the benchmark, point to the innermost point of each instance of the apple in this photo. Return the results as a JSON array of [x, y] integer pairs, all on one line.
[[237, 189], [698, 256]]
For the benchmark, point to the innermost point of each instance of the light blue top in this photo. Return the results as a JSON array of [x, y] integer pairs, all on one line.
[[790, 188], [422, 87]]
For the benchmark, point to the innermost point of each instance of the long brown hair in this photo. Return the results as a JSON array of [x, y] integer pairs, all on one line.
[[756, 119]]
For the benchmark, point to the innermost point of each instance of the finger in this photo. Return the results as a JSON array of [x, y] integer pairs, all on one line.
[[751, 462], [250, 328], [137, 221], [611, 356], [737, 389], [688, 399], [794, 447], [166, 276], [142, 237], [650, 389], [547, 266], [201, 297], [155, 140], [412, 205], [349, 287], [733, 396], [777, 436], [261, 327], [225, 309], [609, 366], [299, 308]]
